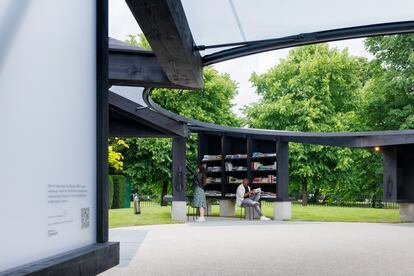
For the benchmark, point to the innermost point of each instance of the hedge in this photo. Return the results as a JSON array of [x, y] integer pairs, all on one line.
[[111, 191], [121, 192]]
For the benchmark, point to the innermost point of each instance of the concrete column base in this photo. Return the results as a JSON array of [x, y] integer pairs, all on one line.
[[179, 210], [282, 210], [407, 212], [227, 208]]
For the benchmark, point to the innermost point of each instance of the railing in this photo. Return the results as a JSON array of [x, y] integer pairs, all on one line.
[[362, 202]]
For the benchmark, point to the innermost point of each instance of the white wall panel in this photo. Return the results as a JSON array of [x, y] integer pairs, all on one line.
[[47, 127]]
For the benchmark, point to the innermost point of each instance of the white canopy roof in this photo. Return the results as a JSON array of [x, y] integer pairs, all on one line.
[[227, 21]]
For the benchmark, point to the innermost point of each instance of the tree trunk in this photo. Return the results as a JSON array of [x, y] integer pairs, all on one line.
[[305, 192]]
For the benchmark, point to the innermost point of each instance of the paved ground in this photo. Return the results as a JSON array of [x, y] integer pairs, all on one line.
[[234, 247]]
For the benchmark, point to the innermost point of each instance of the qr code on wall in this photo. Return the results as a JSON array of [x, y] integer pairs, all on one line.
[[85, 218]]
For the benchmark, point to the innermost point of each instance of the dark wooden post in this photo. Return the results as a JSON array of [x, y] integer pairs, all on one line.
[[179, 180], [390, 174], [282, 186], [164, 191]]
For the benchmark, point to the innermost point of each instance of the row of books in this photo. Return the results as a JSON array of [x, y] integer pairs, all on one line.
[[211, 157], [210, 180], [236, 156], [234, 180], [262, 154], [214, 169], [259, 166], [269, 179], [213, 193], [267, 195], [230, 168]]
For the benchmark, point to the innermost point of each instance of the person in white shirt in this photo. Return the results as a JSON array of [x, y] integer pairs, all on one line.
[[246, 197]]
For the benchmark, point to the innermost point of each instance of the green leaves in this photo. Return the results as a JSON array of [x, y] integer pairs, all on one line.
[[211, 104], [314, 89], [147, 162], [390, 94], [115, 158]]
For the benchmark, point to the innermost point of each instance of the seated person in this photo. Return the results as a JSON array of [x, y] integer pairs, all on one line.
[[246, 197]]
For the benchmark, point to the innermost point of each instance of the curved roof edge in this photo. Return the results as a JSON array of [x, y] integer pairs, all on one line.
[[363, 139]]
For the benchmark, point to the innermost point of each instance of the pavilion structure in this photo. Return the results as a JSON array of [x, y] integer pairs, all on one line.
[[80, 87], [177, 61]]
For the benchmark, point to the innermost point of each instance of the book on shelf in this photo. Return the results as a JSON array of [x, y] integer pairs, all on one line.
[[270, 179], [257, 190], [211, 157], [228, 166]]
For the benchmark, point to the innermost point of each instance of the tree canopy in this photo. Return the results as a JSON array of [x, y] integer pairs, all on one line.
[[389, 99], [314, 89], [148, 161]]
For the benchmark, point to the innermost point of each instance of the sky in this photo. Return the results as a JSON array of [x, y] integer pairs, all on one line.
[[122, 23]]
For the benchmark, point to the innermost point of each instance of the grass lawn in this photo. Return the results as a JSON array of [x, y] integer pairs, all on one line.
[[149, 215], [162, 215], [346, 214]]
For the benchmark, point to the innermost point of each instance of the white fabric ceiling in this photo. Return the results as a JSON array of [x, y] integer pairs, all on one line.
[[225, 21]]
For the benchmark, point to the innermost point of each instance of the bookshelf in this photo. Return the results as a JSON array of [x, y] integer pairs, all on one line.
[[238, 156]]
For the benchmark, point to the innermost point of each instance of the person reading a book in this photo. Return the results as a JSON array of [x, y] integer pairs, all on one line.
[[246, 197]]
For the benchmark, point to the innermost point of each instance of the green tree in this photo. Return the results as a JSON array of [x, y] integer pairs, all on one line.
[[211, 104], [314, 89], [115, 157], [148, 161], [389, 97], [138, 40]]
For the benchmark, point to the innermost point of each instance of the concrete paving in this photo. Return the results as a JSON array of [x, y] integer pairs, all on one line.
[[234, 247]]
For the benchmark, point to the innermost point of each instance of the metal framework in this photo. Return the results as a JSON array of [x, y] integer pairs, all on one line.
[[259, 46]]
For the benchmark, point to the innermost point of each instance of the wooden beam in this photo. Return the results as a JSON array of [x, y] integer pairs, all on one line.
[[133, 66], [133, 111], [124, 128], [165, 26]]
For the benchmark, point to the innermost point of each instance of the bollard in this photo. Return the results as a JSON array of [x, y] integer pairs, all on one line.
[[137, 204]]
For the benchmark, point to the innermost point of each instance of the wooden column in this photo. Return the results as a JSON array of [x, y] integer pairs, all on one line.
[[179, 181], [390, 174], [282, 183]]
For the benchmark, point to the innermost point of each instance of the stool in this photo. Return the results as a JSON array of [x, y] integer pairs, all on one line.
[[250, 210], [192, 212]]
